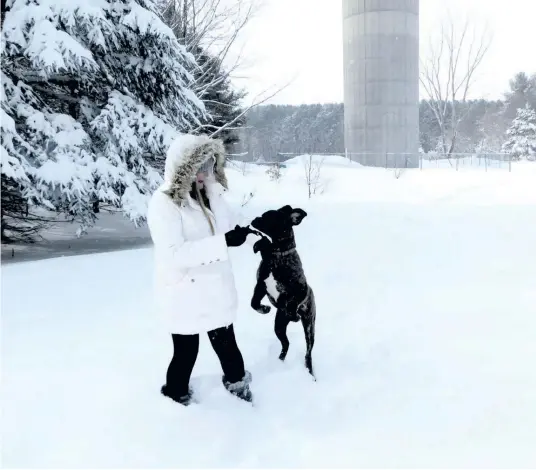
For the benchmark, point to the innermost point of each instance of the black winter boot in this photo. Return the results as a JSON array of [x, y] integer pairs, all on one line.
[[183, 400], [240, 389]]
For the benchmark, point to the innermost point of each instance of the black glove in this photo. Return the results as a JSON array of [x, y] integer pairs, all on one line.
[[236, 236]]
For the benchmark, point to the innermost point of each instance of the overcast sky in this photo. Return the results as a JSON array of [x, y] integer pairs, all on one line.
[[301, 41]]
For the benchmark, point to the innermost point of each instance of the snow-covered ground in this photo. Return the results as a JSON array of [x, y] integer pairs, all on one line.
[[426, 293]]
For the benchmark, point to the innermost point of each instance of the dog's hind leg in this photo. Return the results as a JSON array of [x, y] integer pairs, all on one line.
[[308, 322], [280, 328]]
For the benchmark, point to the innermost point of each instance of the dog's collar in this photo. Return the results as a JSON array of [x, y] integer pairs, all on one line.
[[284, 248], [283, 253]]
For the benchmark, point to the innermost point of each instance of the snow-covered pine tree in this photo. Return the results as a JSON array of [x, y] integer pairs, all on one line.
[[92, 93], [521, 143]]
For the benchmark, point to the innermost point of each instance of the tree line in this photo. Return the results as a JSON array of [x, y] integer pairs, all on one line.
[[484, 125]]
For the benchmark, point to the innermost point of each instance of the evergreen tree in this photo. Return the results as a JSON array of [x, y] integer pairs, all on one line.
[[522, 92], [222, 102], [521, 141], [93, 91]]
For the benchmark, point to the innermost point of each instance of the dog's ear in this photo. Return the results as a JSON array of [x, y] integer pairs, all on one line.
[[285, 209], [297, 215]]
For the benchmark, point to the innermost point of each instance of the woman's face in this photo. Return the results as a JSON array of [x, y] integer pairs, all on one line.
[[200, 178], [206, 170]]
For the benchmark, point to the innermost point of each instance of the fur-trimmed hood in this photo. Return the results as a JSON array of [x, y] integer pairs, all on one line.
[[184, 156]]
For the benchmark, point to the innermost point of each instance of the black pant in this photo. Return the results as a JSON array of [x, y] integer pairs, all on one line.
[[185, 349]]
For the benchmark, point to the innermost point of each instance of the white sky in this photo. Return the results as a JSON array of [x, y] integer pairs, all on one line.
[[300, 41]]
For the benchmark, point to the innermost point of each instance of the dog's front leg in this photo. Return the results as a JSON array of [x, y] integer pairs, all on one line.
[[259, 294]]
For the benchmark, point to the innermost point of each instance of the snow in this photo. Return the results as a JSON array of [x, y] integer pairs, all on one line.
[[146, 22], [424, 352], [327, 160]]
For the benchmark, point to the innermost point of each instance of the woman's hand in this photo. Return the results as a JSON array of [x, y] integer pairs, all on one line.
[[237, 236]]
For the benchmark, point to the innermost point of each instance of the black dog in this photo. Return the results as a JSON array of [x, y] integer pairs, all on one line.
[[280, 276]]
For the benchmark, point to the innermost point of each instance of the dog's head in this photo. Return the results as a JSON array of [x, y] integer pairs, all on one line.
[[279, 223]]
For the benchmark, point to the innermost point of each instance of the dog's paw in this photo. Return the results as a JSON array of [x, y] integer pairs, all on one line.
[[263, 309], [262, 245]]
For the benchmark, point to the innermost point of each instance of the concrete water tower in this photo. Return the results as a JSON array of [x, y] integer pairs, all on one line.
[[381, 81]]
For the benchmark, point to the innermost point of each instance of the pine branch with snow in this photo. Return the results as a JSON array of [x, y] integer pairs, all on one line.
[[134, 136], [92, 93], [46, 157]]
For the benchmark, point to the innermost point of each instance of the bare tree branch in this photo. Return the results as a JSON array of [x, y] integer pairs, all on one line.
[[212, 25], [448, 73], [255, 103]]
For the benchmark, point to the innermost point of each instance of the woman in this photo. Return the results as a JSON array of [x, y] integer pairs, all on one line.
[[190, 225]]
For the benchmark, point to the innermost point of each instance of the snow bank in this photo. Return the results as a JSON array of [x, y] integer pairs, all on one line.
[[424, 349], [324, 160], [342, 181]]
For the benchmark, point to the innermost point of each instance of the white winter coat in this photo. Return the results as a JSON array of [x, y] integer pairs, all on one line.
[[193, 279]]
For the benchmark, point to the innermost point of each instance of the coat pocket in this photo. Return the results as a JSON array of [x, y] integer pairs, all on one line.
[[213, 288], [206, 288]]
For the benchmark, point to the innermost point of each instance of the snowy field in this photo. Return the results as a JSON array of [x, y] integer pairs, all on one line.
[[426, 296]]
